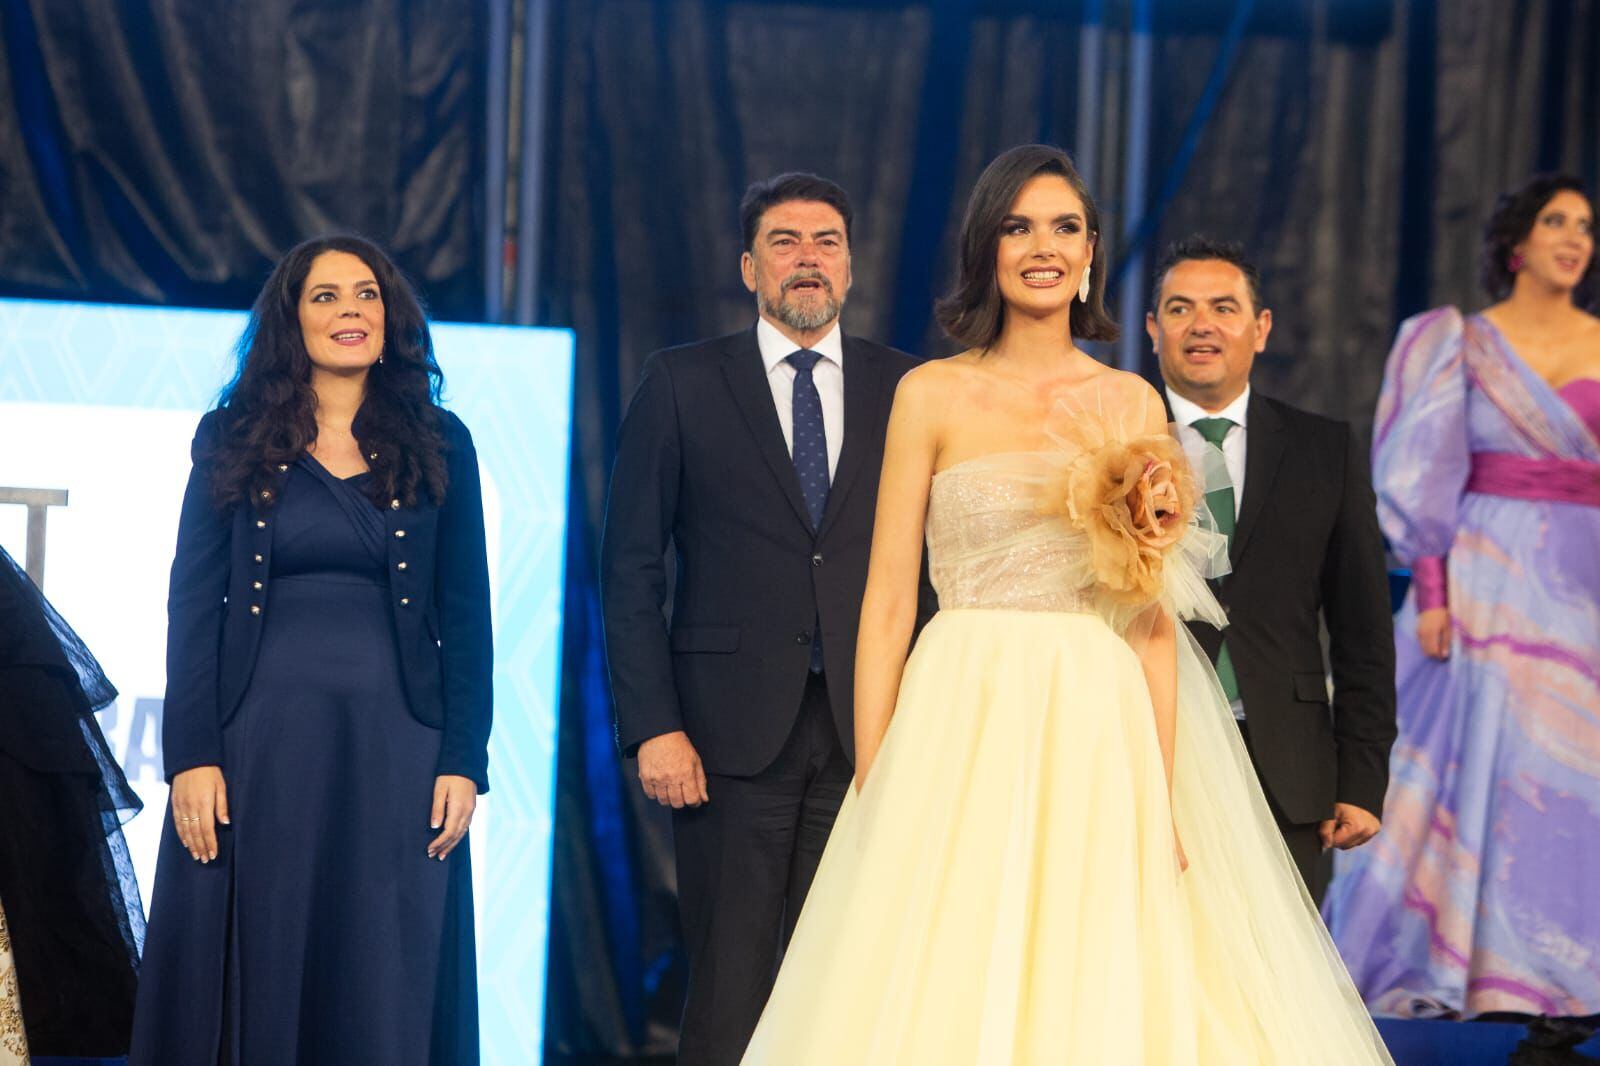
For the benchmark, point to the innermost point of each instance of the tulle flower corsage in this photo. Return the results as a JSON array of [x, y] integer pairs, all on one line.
[[1134, 500]]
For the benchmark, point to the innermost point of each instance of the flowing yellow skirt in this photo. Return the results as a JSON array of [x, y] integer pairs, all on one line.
[[1006, 888]]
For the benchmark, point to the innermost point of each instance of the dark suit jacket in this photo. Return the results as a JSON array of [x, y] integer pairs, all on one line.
[[702, 464], [439, 601], [1307, 544]]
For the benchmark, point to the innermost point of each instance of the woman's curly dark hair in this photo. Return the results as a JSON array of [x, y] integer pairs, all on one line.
[[269, 408], [1511, 222]]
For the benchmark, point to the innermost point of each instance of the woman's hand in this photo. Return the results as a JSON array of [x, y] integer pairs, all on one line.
[[1433, 632], [454, 800], [199, 802]]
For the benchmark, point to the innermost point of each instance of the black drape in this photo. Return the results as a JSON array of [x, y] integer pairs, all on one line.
[[168, 151], [1355, 148]]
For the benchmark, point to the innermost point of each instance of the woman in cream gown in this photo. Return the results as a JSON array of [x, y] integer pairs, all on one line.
[[1056, 850]]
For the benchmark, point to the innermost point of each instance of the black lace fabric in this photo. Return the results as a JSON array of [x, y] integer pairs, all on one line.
[[66, 877]]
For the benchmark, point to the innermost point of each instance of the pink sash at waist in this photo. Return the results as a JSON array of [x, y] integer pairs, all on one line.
[[1550, 480]]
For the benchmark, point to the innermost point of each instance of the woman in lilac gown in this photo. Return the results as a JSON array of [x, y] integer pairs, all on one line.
[[1479, 897]]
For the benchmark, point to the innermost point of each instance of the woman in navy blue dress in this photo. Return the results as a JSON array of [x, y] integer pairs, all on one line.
[[328, 696]]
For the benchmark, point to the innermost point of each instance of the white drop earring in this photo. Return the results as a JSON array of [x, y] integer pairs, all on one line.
[[1083, 285]]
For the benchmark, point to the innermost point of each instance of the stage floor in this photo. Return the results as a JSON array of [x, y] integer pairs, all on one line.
[[1411, 1043], [1455, 1043]]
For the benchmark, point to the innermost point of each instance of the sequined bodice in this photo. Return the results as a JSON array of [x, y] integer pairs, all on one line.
[[990, 546]]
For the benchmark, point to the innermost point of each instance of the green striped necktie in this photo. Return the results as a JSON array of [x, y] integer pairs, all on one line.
[[1225, 513]]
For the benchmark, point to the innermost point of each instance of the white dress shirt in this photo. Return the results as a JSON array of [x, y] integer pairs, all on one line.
[[828, 376], [1186, 413]]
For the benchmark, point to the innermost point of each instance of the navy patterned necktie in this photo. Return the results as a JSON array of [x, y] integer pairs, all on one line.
[[810, 436], [810, 459]]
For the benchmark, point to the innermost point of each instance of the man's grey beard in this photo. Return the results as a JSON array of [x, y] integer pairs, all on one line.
[[795, 316]]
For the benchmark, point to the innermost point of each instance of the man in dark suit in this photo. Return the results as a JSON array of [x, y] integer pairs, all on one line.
[[1298, 507], [755, 457]]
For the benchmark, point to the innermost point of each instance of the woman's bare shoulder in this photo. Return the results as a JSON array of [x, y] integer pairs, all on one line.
[[936, 379], [1121, 386]]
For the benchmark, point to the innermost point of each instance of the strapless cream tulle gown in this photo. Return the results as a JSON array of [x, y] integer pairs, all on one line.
[[1005, 889]]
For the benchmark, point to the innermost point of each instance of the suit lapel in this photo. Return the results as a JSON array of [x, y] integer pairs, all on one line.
[[1264, 445], [863, 375], [747, 379]]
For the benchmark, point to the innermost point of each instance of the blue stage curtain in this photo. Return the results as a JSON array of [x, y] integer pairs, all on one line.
[[169, 151]]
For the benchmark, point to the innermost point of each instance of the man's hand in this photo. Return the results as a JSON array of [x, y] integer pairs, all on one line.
[[1350, 827], [1433, 632], [670, 770]]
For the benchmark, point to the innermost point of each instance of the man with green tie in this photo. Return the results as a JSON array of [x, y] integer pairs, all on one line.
[[1298, 509]]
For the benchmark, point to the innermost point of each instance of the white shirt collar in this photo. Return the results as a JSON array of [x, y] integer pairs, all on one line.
[[1187, 412], [775, 347]]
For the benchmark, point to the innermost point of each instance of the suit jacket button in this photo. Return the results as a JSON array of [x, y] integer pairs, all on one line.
[[802, 638], [261, 524], [258, 559], [394, 505], [255, 608], [282, 467], [405, 601], [400, 533], [816, 560], [256, 585], [401, 565]]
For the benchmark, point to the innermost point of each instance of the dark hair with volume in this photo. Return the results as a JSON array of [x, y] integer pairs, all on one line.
[[972, 313], [269, 408], [1510, 223], [1202, 247], [762, 196]]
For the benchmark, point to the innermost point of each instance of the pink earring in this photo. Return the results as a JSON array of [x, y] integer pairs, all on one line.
[[1514, 264]]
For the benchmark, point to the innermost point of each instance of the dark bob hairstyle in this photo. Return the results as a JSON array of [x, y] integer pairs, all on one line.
[[973, 313], [269, 408], [1514, 216]]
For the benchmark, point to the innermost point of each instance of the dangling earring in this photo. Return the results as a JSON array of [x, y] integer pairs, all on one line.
[[380, 360], [1083, 286], [1515, 263]]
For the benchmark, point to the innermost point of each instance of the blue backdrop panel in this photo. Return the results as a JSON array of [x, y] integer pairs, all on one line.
[[102, 401]]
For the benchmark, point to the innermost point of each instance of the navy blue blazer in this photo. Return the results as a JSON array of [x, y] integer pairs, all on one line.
[[438, 596]]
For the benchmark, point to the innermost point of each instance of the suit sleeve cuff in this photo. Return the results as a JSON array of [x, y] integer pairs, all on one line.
[[628, 740], [1365, 789]]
